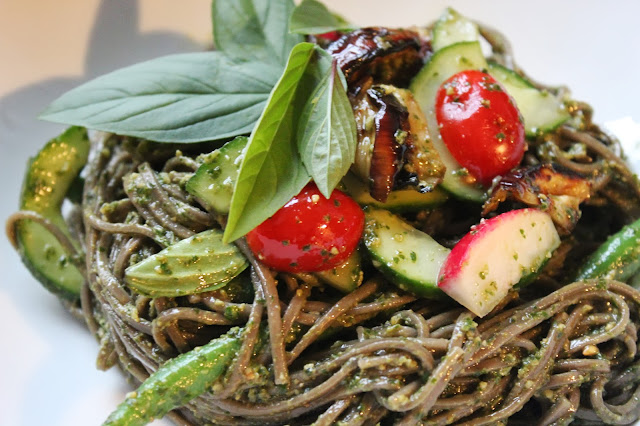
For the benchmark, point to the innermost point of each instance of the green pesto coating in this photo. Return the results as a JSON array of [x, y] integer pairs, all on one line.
[[618, 258], [213, 182], [176, 382], [49, 177], [193, 265]]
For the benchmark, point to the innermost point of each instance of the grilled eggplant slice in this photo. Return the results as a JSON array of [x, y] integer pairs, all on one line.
[[394, 150], [390, 56], [550, 187]]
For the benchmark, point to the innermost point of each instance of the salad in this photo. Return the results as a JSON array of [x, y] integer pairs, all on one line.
[[169, 269]]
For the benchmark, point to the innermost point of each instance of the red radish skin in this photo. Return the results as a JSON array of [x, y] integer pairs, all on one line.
[[495, 255]]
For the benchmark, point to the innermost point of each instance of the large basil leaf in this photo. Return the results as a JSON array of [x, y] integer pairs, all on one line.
[[313, 17], [272, 171], [327, 131], [256, 29], [196, 264], [179, 98]]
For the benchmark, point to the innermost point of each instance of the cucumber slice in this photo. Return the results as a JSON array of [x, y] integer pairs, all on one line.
[[443, 64], [402, 200], [213, 182], [49, 176], [541, 111], [345, 277], [453, 28], [410, 258], [238, 290]]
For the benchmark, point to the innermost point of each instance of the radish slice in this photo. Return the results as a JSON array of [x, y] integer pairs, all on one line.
[[496, 255]]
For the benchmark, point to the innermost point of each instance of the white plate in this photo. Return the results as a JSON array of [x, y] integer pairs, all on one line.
[[47, 359]]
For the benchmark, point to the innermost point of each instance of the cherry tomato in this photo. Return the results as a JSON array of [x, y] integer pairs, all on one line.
[[310, 233], [330, 36], [480, 125]]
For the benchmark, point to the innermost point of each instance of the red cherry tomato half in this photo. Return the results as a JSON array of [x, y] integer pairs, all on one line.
[[310, 233], [480, 125]]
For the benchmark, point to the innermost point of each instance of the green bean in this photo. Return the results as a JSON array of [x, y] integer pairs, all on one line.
[[176, 382], [618, 258]]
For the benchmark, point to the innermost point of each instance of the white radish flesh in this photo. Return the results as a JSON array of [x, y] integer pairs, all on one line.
[[496, 255]]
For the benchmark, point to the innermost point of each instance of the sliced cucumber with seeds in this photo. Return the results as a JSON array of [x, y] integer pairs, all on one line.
[[345, 277], [442, 65], [213, 182], [400, 200], [453, 28], [541, 111], [408, 257], [49, 176]]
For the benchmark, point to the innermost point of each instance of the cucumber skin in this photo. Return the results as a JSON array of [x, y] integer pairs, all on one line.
[[406, 284], [617, 258], [453, 59], [176, 383], [515, 85], [77, 140], [213, 182], [345, 277], [422, 289], [449, 20], [68, 293], [399, 201]]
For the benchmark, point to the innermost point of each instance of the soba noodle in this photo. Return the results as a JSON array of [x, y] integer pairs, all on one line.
[[308, 354]]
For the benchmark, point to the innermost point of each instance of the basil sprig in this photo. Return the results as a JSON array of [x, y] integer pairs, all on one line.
[[327, 130], [300, 120], [192, 97], [271, 172], [179, 98], [313, 17], [307, 130], [256, 29]]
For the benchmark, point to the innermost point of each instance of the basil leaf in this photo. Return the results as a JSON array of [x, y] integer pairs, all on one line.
[[178, 98], [256, 29], [193, 265], [327, 136], [272, 171], [313, 17]]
